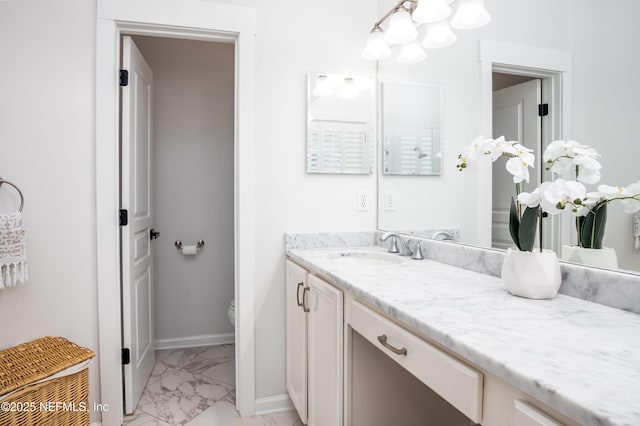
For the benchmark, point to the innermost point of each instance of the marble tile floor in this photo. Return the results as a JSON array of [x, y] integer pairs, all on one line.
[[196, 387]]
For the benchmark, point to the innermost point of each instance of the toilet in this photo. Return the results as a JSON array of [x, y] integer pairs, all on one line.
[[232, 312]]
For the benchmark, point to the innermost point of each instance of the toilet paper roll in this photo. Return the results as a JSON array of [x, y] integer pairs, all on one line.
[[189, 250]]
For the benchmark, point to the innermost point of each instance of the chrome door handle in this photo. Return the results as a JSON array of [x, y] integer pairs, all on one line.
[[383, 340], [304, 300], [300, 284]]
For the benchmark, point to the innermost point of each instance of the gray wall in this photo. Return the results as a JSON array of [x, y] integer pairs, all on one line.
[[193, 178]]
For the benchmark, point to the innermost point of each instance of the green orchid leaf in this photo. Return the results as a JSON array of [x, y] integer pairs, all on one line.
[[528, 227], [514, 223], [600, 222], [579, 227], [586, 231]]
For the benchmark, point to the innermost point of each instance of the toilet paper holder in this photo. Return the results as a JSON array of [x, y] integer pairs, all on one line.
[[178, 244]]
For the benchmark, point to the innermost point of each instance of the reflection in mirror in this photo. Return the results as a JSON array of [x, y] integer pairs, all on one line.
[[601, 110], [411, 137], [339, 124]]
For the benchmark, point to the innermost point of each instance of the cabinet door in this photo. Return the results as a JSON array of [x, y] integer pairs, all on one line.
[[325, 353], [296, 370]]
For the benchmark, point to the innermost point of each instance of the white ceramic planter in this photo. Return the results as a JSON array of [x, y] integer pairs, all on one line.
[[531, 274], [600, 258]]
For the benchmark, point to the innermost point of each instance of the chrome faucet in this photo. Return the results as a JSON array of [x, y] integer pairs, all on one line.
[[393, 244], [442, 236], [417, 250]]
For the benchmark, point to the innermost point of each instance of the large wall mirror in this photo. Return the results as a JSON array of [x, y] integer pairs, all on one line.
[[340, 112], [601, 111]]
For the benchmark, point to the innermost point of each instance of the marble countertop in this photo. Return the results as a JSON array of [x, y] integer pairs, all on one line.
[[578, 357]]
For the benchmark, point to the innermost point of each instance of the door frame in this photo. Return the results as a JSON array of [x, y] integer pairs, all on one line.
[[554, 68], [194, 20]]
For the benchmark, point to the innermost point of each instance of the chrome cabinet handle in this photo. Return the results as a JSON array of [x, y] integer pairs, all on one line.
[[304, 300], [383, 340], [300, 284]]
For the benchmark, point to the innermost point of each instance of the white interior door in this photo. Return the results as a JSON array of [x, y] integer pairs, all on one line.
[[515, 116], [137, 259]]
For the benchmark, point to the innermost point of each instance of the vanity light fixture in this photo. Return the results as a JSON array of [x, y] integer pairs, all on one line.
[[406, 15]]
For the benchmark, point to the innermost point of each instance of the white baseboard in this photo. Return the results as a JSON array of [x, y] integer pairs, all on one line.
[[96, 424], [195, 341], [273, 404]]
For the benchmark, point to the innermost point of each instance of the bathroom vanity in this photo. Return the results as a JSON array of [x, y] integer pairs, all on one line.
[[377, 339]]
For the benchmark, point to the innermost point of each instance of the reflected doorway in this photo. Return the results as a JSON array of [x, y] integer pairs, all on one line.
[[519, 114]]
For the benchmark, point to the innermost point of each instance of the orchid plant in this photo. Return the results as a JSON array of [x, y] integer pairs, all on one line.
[[522, 219], [590, 208]]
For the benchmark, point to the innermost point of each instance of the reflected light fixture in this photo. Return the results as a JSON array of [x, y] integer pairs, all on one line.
[[401, 28], [469, 15], [438, 35], [348, 90], [431, 11], [407, 14], [411, 53], [376, 47], [323, 86]]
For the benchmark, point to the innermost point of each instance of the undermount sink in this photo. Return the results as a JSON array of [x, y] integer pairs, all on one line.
[[364, 258]]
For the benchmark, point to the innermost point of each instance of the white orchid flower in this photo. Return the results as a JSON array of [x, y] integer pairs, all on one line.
[[519, 168], [561, 192], [571, 147], [611, 192], [478, 148], [562, 166], [519, 165], [581, 211], [498, 147], [592, 198], [589, 176], [530, 199], [632, 205], [555, 150]]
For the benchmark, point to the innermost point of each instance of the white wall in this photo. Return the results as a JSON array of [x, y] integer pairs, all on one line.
[[324, 36], [447, 201], [47, 149], [606, 61], [193, 177]]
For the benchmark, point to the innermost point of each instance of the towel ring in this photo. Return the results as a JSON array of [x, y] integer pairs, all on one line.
[[17, 189]]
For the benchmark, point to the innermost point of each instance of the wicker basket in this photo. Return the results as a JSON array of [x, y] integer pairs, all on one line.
[[27, 397]]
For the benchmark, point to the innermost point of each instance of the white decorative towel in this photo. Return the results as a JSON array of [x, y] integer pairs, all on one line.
[[636, 229], [13, 250]]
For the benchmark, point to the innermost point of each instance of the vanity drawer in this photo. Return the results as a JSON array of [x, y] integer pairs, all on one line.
[[457, 383]]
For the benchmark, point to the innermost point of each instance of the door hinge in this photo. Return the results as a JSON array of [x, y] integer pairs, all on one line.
[[124, 217], [124, 78], [126, 356], [543, 110]]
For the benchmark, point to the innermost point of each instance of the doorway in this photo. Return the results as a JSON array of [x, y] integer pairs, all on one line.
[[177, 185], [194, 20], [518, 116]]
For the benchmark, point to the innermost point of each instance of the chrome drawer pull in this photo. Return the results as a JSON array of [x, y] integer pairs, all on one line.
[[383, 340]]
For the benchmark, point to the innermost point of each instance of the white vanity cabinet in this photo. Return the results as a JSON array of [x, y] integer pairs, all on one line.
[[314, 350], [348, 363], [296, 362]]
